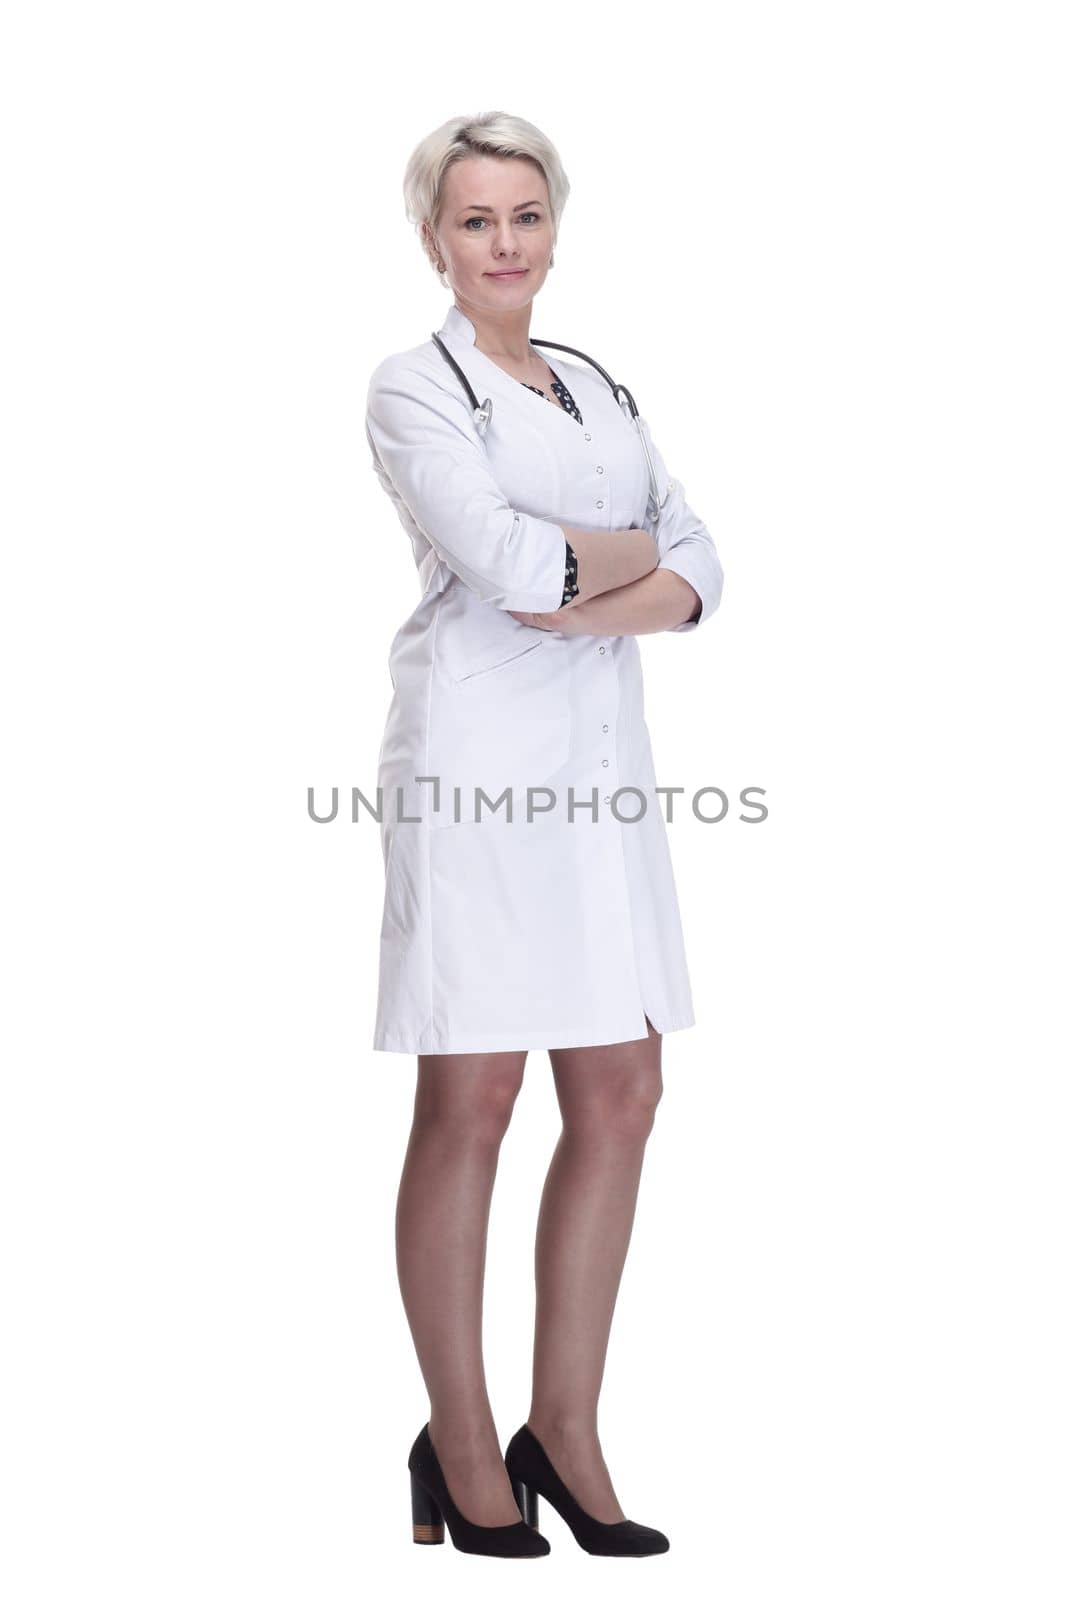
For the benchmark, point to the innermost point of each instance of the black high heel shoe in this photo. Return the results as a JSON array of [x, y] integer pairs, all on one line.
[[532, 1473], [432, 1507]]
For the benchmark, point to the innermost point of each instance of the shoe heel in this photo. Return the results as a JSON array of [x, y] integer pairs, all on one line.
[[427, 1523], [526, 1498]]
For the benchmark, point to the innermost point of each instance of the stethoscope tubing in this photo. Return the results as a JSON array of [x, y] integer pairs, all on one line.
[[483, 410]]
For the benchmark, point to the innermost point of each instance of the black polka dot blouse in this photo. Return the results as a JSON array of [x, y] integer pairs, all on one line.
[[566, 400]]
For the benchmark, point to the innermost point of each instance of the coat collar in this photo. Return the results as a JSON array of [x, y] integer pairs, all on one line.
[[458, 327]]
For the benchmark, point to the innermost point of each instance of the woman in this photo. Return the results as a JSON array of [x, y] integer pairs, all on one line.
[[551, 923]]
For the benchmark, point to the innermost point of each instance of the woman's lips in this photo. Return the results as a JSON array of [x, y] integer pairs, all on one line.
[[504, 276]]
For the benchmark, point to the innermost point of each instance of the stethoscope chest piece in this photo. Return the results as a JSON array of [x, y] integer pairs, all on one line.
[[483, 415]]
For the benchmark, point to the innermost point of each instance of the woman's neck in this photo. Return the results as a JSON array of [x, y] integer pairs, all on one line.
[[506, 337]]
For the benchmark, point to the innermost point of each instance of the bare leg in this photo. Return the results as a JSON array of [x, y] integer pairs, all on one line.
[[463, 1105], [608, 1096]]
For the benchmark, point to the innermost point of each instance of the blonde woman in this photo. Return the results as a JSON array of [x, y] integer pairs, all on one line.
[[529, 897]]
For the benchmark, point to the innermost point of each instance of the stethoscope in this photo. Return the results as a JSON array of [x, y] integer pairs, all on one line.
[[483, 412]]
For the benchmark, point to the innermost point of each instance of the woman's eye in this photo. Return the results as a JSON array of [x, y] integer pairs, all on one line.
[[535, 216]]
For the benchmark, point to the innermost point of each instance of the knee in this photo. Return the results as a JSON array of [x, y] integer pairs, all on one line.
[[635, 1112], [624, 1106], [487, 1111], [470, 1104]]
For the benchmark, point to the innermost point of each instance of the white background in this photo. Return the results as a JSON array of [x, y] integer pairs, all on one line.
[[824, 246]]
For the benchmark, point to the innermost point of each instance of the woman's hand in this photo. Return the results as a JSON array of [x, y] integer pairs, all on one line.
[[563, 621], [534, 619]]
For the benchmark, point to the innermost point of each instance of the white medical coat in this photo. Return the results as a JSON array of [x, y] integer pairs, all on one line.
[[539, 932]]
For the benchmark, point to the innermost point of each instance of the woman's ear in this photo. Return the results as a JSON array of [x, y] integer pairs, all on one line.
[[431, 244]]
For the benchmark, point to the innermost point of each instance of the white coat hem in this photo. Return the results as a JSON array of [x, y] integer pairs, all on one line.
[[521, 1039]]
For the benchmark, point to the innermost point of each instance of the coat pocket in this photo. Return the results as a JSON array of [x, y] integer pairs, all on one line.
[[473, 638], [485, 662], [506, 724]]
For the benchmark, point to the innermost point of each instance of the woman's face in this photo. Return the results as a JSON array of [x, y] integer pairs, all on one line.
[[495, 218]]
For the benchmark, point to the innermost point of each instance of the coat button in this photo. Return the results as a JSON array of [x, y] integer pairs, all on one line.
[[600, 505], [603, 727], [589, 435], [600, 469], [600, 647], [604, 763]]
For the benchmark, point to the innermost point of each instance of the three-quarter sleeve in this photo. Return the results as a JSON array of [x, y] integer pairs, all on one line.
[[685, 545], [423, 438]]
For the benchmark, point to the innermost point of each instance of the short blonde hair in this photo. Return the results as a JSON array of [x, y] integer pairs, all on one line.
[[490, 133]]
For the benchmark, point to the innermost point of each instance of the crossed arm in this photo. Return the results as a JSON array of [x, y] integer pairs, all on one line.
[[433, 465], [633, 597]]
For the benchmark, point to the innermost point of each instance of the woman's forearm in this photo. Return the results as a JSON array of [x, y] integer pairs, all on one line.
[[652, 604], [607, 561]]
